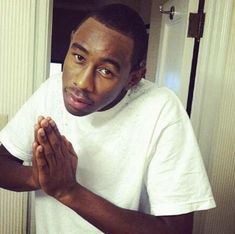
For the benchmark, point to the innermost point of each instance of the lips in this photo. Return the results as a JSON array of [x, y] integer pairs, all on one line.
[[76, 99]]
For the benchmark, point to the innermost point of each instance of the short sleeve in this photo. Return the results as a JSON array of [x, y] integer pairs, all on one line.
[[176, 180], [17, 136]]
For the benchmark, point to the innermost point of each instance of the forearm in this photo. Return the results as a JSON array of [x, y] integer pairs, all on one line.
[[16, 177], [110, 218]]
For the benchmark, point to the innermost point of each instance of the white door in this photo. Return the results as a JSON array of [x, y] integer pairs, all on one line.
[[176, 50]]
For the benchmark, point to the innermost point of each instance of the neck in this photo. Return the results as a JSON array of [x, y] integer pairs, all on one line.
[[115, 101]]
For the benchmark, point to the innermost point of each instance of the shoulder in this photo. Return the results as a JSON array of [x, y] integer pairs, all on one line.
[[53, 82], [47, 98], [161, 100], [49, 91], [148, 90]]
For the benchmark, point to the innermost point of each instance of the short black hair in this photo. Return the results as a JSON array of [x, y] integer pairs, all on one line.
[[127, 21]]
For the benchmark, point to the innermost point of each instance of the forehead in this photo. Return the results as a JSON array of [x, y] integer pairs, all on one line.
[[97, 38]]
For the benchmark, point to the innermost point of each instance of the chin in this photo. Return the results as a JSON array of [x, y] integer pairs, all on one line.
[[74, 112]]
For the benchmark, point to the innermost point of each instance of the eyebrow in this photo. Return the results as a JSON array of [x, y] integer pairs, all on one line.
[[112, 61], [76, 45]]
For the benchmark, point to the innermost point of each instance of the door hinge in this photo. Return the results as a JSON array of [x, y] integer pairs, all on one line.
[[196, 25]]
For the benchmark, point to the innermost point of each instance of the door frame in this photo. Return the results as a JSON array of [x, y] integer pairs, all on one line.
[[188, 50], [42, 43]]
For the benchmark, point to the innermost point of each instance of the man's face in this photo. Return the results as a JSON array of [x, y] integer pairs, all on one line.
[[97, 68]]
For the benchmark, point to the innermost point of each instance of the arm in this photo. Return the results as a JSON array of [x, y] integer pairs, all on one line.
[[56, 161], [13, 175], [112, 219]]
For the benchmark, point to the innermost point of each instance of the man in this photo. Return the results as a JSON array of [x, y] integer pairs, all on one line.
[[115, 154]]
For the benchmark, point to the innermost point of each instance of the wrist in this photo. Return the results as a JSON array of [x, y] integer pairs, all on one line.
[[31, 182], [67, 197]]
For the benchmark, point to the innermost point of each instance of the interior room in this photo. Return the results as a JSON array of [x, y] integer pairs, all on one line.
[[35, 35]]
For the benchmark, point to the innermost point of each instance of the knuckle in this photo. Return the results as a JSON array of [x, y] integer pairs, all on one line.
[[56, 146], [42, 167], [49, 154]]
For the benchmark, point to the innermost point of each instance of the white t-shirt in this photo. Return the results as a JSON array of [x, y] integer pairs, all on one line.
[[141, 154]]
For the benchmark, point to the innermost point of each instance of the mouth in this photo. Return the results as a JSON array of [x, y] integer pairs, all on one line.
[[76, 99]]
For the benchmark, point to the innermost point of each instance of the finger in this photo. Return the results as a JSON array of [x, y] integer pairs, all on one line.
[[65, 151], [36, 127], [65, 142], [42, 165], [69, 152], [68, 146], [34, 162], [47, 149], [44, 123], [49, 126], [34, 147], [54, 137], [40, 118], [54, 127]]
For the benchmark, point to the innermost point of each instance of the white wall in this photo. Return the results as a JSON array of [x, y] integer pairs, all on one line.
[[213, 114]]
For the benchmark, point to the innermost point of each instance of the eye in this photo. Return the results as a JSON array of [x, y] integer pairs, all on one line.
[[79, 58], [105, 72]]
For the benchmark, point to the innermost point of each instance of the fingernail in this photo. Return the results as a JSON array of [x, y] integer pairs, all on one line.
[[42, 133], [40, 118], [52, 123]]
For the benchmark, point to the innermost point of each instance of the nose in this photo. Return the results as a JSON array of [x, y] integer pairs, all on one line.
[[85, 80]]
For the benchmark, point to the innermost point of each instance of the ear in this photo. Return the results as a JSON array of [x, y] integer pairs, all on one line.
[[136, 75]]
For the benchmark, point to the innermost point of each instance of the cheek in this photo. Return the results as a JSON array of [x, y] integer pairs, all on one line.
[[66, 69], [106, 98], [112, 86], [107, 95], [68, 64], [65, 78], [108, 87], [69, 71]]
